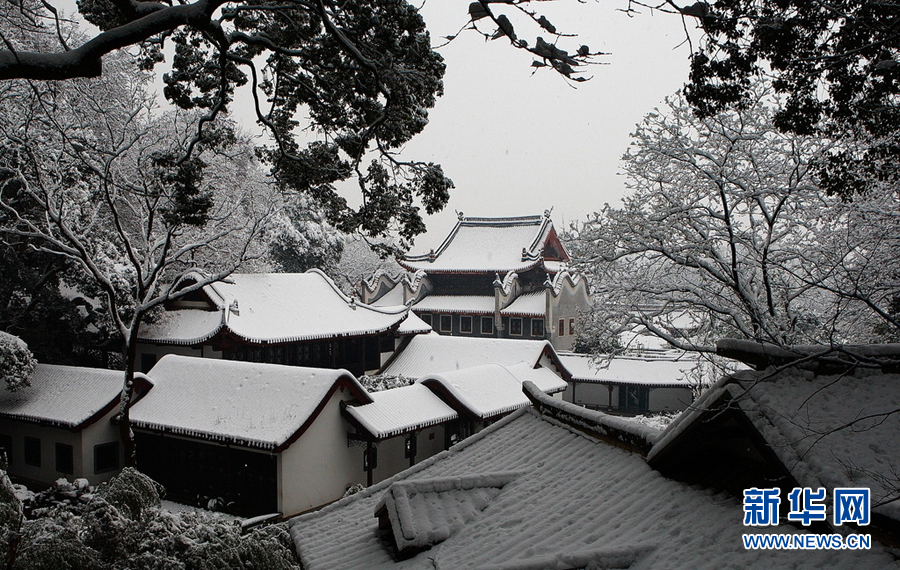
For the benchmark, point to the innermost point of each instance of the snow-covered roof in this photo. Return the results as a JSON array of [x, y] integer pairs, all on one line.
[[654, 372], [470, 304], [251, 404], [413, 325], [488, 245], [491, 390], [574, 502], [837, 428], [65, 396], [528, 305], [427, 354], [273, 307], [829, 430], [400, 410]]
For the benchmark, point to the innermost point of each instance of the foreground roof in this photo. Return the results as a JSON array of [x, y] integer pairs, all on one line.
[[826, 430], [489, 245], [265, 406], [491, 390], [542, 495], [66, 396], [653, 372], [433, 353], [273, 307]]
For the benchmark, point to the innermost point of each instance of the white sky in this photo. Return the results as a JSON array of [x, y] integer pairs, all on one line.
[[516, 142]]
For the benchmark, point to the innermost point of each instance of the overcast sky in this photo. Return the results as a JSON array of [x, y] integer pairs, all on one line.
[[517, 143]]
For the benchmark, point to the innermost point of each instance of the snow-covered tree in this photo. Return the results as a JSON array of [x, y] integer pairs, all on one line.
[[121, 525], [16, 362], [725, 233], [89, 172], [300, 238], [358, 77]]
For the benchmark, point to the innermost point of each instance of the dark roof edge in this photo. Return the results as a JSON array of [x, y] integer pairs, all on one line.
[[610, 429]]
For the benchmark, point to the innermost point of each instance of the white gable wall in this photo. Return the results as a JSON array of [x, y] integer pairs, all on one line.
[[82, 450], [319, 467]]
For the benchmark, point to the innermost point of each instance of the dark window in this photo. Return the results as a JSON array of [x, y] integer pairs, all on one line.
[[537, 327], [571, 326], [32, 451], [5, 450], [634, 398], [370, 458], [562, 327], [106, 457], [64, 458], [446, 323], [426, 318], [487, 325], [515, 326], [465, 324], [410, 447], [147, 362]]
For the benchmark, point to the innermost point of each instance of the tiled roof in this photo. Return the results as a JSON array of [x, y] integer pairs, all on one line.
[[469, 304], [528, 305], [828, 430], [490, 390], [65, 396], [400, 410], [574, 503], [244, 403], [274, 307], [427, 354], [480, 245], [623, 370]]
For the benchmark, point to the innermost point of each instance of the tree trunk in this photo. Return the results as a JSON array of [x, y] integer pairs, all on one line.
[[129, 352]]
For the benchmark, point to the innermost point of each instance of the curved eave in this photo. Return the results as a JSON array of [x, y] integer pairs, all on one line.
[[582, 380], [206, 436], [46, 422], [427, 267], [182, 341], [452, 311], [382, 435], [277, 340], [505, 313]]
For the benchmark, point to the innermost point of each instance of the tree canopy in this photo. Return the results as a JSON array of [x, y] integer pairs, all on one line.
[[726, 234], [835, 62], [357, 76]]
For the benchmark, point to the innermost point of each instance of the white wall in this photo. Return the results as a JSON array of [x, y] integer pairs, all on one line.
[[82, 450], [670, 399], [319, 467], [392, 452]]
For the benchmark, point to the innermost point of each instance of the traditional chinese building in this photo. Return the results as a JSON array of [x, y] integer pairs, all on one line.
[[491, 278], [60, 425], [297, 319]]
